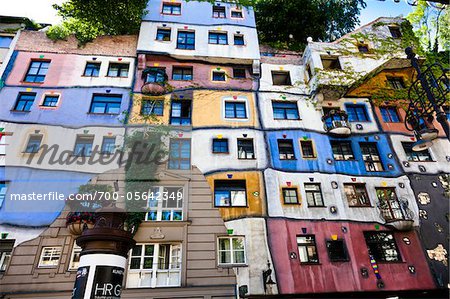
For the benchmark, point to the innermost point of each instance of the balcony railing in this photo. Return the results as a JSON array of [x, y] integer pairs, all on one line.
[[155, 81], [335, 122], [397, 214]]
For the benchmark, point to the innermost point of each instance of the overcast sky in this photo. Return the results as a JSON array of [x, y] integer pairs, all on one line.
[[42, 11]]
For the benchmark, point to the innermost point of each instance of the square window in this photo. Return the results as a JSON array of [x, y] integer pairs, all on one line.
[[118, 70], [155, 75], [106, 104], [83, 146], [108, 145], [382, 246], [285, 110], [337, 251], [357, 112], [50, 257], [363, 48], [281, 78], [330, 63], [163, 34], [50, 101], [235, 110], [356, 195], [218, 38], [92, 69], [238, 39], [307, 149], [171, 8], [230, 193], [371, 156], [239, 73], [416, 156], [34, 142], [150, 107], [237, 14], [307, 250], [390, 114], [186, 40], [286, 149], [218, 76], [290, 195], [246, 149], [37, 71], [182, 73], [314, 195], [220, 146], [395, 31], [180, 154], [24, 102], [342, 150], [396, 82], [219, 11], [180, 114], [231, 250]]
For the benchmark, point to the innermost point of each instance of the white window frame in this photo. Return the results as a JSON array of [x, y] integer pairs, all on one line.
[[238, 99], [233, 262], [4, 256], [55, 251], [75, 249], [159, 197]]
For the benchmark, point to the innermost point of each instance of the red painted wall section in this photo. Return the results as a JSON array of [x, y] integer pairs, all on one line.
[[293, 277]]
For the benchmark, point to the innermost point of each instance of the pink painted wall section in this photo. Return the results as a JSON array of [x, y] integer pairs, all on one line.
[[202, 74], [293, 277]]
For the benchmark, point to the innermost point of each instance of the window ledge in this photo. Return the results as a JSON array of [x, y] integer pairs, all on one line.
[[19, 111], [119, 77], [162, 223], [96, 113], [310, 264], [360, 206], [232, 265], [317, 207], [84, 76], [36, 83]]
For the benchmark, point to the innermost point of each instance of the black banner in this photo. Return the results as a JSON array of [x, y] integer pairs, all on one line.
[[107, 282], [80, 283]]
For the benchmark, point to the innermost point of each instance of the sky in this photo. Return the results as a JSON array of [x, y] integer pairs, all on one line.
[[42, 11]]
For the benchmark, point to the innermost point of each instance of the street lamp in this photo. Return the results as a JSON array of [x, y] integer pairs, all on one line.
[[426, 96]]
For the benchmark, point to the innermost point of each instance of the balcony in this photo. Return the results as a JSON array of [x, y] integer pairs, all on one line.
[[155, 82], [335, 123], [397, 215]]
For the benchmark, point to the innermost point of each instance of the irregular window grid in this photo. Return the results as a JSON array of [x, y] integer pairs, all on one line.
[[50, 256], [75, 259], [246, 149], [152, 107], [5, 257], [356, 195], [108, 145], [232, 250], [307, 249], [290, 195], [37, 71], [181, 113], [83, 146], [416, 156], [50, 101], [165, 204], [286, 150], [163, 34], [24, 102], [391, 208], [371, 156], [382, 246], [314, 195], [230, 193]]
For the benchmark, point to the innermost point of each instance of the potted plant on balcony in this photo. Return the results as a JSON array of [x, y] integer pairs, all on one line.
[[76, 222]]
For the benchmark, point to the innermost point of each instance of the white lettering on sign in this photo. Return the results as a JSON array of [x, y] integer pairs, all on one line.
[[107, 289]]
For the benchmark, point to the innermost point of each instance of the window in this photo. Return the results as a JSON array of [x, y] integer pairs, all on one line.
[[371, 156], [154, 265], [186, 40], [83, 146], [218, 38], [237, 14], [230, 193], [285, 110], [390, 206], [286, 149], [180, 154], [337, 251], [75, 257], [165, 204], [3, 190], [219, 11], [106, 104], [235, 110], [239, 73], [245, 149], [314, 195], [50, 101], [396, 82], [281, 78], [411, 155], [50, 257], [34, 142], [218, 76], [220, 146], [231, 250], [395, 31], [180, 113], [331, 63], [150, 107], [362, 48], [37, 71], [309, 71], [307, 149], [171, 8], [6, 247], [356, 195], [92, 69], [5, 41], [108, 145], [238, 39], [24, 102], [156, 75], [290, 195], [182, 73], [382, 246], [356, 112], [163, 34], [390, 114], [342, 150], [118, 70], [307, 249]]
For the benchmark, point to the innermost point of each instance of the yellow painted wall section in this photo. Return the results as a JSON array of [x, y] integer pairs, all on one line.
[[255, 194], [137, 118]]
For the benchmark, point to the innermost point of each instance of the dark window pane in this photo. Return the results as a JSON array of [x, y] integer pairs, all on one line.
[[107, 104], [286, 149]]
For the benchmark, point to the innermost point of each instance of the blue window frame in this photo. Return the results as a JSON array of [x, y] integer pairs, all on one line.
[[34, 142], [92, 69], [180, 154], [118, 70], [108, 145], [171, 8], [50, 101], [5, 41], [220, 146], [230, 193], [152, 107], [155, 75], [235, 110], [24, 102], [238, 39], [37, 71], [390, 114], [83, 146], [163, 34], [186, 40], [218, 38], [106, 104], [356, 112], [182, 73], [285, 110], [180, 114], [218, 76]]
